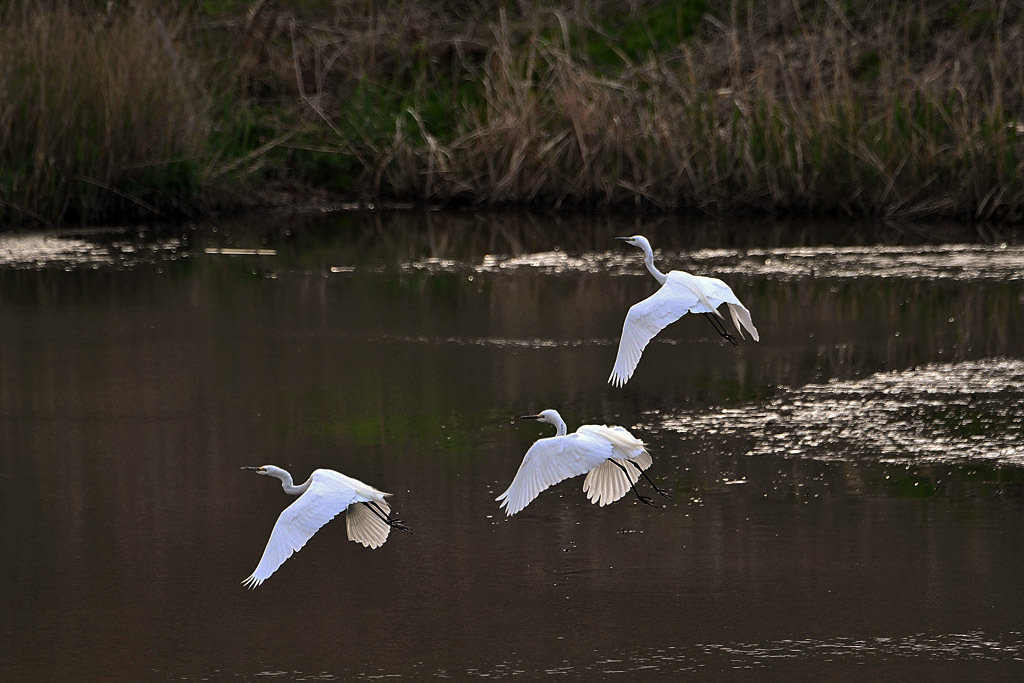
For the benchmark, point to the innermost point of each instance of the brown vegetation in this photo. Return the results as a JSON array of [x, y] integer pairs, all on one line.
[[789, 106]]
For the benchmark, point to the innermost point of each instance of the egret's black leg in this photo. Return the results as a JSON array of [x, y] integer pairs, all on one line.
[[660, 491], [643, 499], [385, 517], [720, 328]]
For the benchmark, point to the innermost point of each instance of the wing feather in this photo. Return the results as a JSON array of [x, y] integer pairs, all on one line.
[[647, 318], [321, 503], [550, 461], [607, 484], [718, 293], [365, 527]]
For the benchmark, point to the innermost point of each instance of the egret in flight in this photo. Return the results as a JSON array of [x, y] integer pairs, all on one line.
[[680, 293], [324, 495], [611, 457]]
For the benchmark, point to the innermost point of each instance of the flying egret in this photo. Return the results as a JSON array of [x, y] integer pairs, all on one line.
[[611, 457], [324, 495], [680, 293]]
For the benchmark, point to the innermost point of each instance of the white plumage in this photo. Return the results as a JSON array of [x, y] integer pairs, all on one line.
[[321, 498], [680, 293], [603, 453]]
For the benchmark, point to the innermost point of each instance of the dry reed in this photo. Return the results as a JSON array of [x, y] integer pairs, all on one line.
[[788, 106]]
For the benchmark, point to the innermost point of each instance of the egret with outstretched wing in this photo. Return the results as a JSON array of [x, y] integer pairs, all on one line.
[[611, 457], [680, 293], [322, 497]]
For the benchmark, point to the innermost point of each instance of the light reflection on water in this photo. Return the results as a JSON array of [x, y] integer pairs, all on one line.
[[708, 658], [103, 247], [941, 413], [943, 262], [137, 375]]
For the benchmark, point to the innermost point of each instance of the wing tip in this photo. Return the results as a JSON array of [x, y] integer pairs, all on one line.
[[251, 582]]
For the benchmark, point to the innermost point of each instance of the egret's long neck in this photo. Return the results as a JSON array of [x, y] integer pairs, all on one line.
[[289, 486], [560, 427], [649, 262]]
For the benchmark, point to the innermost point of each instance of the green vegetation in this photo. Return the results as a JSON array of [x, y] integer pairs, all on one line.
[[112, 112]]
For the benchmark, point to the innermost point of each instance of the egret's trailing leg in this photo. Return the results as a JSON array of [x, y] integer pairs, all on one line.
[[385, 517], [720, 329], [661, 491], [646, 500]]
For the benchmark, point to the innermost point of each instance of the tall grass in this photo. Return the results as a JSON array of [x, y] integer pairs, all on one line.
[[871, 114], [99, 117], [860, 108]]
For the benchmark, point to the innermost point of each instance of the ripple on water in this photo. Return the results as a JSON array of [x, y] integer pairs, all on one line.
[[936, 413], [107, 247], [928, 262]]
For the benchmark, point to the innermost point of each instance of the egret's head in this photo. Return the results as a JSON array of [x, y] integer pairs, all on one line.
[[266, 469], [637, 241], [550, 416]]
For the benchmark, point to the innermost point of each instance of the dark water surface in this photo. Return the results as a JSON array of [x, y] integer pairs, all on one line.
[[849, 492]]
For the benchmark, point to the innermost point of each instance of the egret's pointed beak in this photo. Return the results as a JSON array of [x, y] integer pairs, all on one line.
[[624, 239], [251, 468], [528, 417]]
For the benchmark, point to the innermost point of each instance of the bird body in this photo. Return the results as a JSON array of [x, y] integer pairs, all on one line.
[[321, 498], [680, 293], [602, 453]]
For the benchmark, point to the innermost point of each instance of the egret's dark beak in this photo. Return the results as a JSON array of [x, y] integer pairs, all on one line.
[[528, 417], [624, 239], [251, 468]]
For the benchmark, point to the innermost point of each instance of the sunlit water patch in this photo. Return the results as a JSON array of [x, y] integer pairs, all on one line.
[[928, 262], [93, 248], [972, 646], [931, 262], [936, 413], [951, 646]]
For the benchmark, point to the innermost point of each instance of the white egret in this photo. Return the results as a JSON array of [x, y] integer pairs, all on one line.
[[680, 293], [611, 457], [324, 495]]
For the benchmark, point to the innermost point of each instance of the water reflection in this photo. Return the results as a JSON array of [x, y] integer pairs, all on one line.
[[944, 413], [135, 379]]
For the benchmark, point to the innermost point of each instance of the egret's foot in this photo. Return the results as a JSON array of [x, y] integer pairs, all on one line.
[[729, 338], [663, 493], [396, 524], [646, 500]]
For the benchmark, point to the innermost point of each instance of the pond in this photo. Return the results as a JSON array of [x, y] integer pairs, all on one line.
[[848, 493]]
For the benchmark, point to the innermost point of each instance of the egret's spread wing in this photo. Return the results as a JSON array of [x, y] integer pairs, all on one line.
[[365, 527], [647, 318], [607, 483], [718, 293], [610, 481], [624, 444], [548, 462], [321, 503]]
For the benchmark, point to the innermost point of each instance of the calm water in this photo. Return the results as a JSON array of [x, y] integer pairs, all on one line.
[[849, 492]]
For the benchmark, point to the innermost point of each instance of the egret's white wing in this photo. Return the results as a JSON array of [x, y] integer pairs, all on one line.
[[647, 318], [321, 503], [608, 482], [548, 462], [718, 293], [625, 445], [365, 527]]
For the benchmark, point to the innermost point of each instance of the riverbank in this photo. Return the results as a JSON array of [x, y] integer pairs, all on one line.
[[164, 111]]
